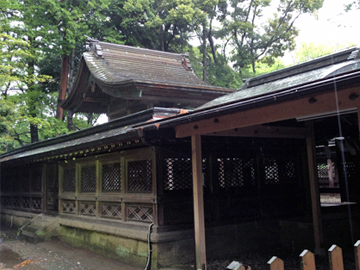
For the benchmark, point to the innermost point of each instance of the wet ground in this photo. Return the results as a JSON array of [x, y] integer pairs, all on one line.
[[18, 254], [54, 255]]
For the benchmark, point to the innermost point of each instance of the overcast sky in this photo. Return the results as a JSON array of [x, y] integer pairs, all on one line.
[[333, 25]]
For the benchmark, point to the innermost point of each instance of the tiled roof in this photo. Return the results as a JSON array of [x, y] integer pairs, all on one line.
[[115, 64], [129, 73]]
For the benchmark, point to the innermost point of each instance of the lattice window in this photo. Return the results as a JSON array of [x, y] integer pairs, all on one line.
[[87, 208], [230, 172], [16, 202], [236, 172], [36, 180], [142, 213], [323, 170], [350, 168], [6, 182], [36, 203], [271, 171], [140, 176], [178, 173], [289, 175], [111, 210], [16, 182], [111, 177], [88, 179], [26, 202], [69, 180], [69, 207], [25, 180]]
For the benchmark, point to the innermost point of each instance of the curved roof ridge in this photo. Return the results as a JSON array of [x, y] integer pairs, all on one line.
[[122, 46]]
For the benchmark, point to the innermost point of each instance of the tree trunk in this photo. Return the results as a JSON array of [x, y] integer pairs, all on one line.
[[204, 53], [71, 86], [63, 86], [211, 42], [70, 125], [34, 134]]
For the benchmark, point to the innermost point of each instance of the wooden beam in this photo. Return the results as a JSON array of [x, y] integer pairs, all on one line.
[[264, 132], [319, 104], [199, 220], [314, 193]]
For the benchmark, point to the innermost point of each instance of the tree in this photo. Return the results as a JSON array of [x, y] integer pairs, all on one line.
[[252, 40], [353, 5]]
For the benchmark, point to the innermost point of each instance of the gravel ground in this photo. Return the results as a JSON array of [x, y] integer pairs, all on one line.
[[18, 254]]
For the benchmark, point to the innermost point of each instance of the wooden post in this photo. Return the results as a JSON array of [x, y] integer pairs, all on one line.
[[314, 192], [357, 254], [307, 260], [335, 258], [358, 115], [276, 264], [199, 220]]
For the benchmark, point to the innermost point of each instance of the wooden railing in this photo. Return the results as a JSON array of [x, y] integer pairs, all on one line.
[[307, 260]]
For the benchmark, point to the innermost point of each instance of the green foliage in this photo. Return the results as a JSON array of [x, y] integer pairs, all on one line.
[[253, 40], [353, 5], [35, 34], [310, 51]]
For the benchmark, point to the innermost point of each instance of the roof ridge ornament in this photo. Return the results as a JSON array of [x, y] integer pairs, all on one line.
[[354, 54], [94, 46], [186, 62]]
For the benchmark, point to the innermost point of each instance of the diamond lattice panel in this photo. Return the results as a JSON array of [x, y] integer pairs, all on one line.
[[69, 180], [140, 176], [140, 213], [69, 207], [37, 203], [88, 179], [87, 208], [111, 177], [17, 202], [111, 210], [7, 201], [26, 202]]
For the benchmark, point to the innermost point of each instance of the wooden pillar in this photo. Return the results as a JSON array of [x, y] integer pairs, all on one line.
[[314, 192], [44, 187], [199, 220], [358, 116]]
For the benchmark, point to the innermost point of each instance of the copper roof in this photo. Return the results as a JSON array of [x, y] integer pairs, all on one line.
[[130, 73]]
